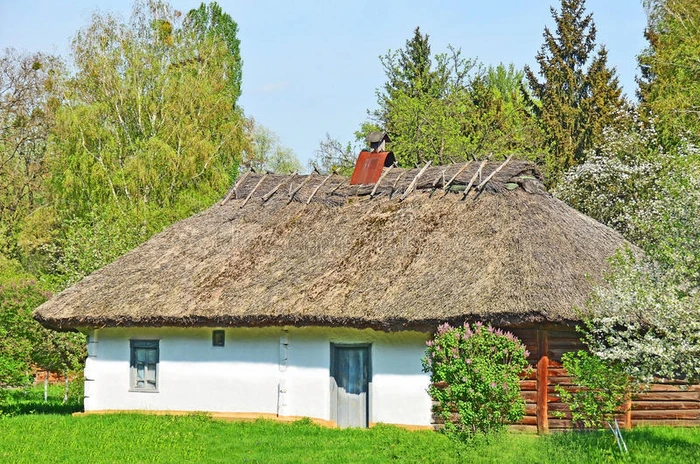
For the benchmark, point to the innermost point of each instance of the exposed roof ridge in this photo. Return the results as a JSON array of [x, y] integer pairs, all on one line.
[[492, 176]]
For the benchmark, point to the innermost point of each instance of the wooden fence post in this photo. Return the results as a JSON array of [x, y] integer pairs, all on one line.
[[542, 382]]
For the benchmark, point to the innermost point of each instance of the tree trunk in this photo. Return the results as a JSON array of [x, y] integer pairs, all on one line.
[[65, 391], [46, 386]]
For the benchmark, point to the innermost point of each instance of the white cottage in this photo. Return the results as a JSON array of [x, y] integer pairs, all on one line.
[[342, 376], [304, 296]]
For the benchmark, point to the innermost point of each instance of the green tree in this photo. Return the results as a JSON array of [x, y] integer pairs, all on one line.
[[29, 97], [601, 390], [669, 86], [574, 102], [500, 121], [410, 72], [422, 102], [425, 128], [332, 156], [148, 115], [95, 239], [266, 153], [149, 132], [443, 107], [17, 299], [24, 344], [209, 21]]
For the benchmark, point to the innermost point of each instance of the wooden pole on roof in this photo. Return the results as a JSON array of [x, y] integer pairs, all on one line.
[[473, 179], [294, 192], [396, 182], [495, 171], [235, 188], [319, 186], [381, 178], [415, 181], [437, 179], [254, 189], [449, 182], [269, 194], [340, 184]]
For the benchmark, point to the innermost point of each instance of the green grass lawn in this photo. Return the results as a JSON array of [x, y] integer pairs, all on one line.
[[196, 438]]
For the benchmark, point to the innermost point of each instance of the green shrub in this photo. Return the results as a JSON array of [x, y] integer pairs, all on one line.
[[602, 389], [475, 374], [76, 388]]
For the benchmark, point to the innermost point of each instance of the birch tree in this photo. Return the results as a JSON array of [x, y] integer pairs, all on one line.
[[148, 116], [149, 132]]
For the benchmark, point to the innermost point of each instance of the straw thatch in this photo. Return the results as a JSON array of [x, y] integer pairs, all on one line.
[[313, 250]]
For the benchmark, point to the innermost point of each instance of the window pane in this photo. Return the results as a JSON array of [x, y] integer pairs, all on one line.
[[151, 373], [140, 355], [152, 356]]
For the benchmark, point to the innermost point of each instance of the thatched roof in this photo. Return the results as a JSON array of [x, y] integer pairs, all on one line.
[[314, 250]]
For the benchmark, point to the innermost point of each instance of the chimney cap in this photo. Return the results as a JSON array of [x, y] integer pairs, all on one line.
[[375, 137]]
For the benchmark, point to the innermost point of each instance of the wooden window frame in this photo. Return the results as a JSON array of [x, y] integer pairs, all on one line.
[[134, 347], [218, 338]]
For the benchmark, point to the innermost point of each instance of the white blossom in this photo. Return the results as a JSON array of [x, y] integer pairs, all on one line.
[[647, 316]]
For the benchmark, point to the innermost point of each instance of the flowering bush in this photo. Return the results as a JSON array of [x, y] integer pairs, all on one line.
[[646, 317], [475, 374]]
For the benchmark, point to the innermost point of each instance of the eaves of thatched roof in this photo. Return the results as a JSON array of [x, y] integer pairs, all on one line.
[[314, 250]]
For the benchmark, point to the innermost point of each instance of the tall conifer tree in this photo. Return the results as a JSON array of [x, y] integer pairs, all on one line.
[[578, 97], [410, 73]]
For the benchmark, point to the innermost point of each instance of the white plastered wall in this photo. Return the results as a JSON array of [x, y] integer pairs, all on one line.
[[278, 371]]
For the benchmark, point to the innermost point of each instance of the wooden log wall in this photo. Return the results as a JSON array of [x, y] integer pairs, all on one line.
[[667, 404], [674, 403], [528, 383], [561, 340]]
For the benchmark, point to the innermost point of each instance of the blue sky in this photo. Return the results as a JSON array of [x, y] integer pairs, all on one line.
[[311, 67]]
